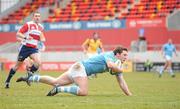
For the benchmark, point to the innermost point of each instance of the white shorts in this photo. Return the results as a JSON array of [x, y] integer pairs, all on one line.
[[91, 54], [77, 70], [168, 58]]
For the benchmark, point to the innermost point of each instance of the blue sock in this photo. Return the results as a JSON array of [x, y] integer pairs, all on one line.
[[34, 68], [34, 78], [73, 89], [11, 73]]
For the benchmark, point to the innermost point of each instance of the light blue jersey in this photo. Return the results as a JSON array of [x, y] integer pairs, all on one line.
[[98, 63], [169, 49]]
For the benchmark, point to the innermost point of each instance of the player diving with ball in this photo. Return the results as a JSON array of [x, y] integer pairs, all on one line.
[[75, 79]]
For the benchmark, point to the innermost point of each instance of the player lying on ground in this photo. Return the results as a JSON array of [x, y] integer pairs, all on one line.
[[78, 72]]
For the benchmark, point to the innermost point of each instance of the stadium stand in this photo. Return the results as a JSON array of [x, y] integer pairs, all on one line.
[[152, 9], [92, 10], [83, 10], [88, 10], [26, 10]]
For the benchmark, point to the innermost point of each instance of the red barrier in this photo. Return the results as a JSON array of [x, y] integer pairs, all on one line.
[[46, 66], [154, 31]]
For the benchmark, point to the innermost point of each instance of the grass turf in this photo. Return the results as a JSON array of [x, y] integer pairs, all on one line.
[[149, 92]]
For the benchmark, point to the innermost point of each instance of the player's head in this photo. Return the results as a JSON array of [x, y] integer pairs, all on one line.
[[121, 53], [170, 41], [36, 17], [95, 36]]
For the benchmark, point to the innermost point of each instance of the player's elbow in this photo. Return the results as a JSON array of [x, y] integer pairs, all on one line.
[[18, 34], [43, 39]]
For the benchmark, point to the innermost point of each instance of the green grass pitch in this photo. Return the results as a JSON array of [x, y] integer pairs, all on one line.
[[149, 92]]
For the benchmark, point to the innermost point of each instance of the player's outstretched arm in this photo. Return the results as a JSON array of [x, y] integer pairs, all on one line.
[[42, 37], [85, 46], [123, 85]]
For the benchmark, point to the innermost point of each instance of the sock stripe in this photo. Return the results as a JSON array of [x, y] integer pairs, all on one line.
[[69, 89], [34, 78]]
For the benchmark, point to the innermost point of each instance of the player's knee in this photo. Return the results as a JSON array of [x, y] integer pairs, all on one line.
[[83, 92], [54, 82], [16, 67], [37, 64]]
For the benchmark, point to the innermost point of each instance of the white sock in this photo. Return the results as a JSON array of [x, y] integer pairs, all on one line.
[[171, 72]]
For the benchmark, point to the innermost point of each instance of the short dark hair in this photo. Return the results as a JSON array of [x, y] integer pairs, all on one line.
[[119, 49]]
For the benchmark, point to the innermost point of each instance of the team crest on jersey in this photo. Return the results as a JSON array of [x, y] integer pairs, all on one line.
[[32, 27]]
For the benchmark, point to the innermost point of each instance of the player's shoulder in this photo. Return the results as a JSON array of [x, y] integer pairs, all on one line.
[[29, 22], [108, 55], [165, 45], [87, 39], [26, 24], [41, 25], [90, 39], [99, 40]]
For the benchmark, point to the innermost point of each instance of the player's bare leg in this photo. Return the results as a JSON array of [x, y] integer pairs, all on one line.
[[37, 62], [80, 88], [170, 69], [164, 68], [82, 82], [61, 80], [76, 74]]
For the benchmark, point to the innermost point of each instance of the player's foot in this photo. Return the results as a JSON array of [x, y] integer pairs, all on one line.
[[173, 76], [92, 76], [7, 86], [53, 92], [25, 79], [29, 73], [160, 75]]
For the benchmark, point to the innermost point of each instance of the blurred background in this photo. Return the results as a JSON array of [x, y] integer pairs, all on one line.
[[142, 26]]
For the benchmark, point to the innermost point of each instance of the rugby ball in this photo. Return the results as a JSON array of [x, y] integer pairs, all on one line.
[[118, 63]]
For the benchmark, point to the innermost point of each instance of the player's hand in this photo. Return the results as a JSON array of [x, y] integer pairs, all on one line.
[[29, 38], [129, 94]]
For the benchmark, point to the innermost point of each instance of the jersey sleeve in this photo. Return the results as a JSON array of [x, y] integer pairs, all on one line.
[[41, 27], [24, 28], [108, 58]]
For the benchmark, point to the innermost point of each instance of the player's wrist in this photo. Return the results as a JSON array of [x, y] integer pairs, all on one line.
[[129, 94]]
